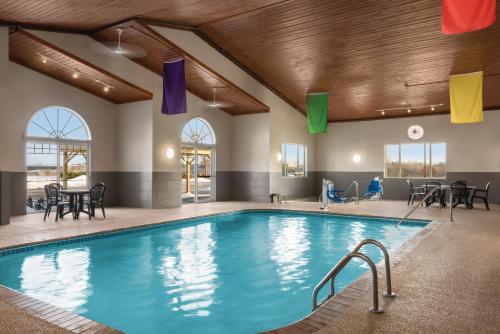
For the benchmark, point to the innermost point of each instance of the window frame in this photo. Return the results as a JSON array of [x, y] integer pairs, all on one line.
[[427, 164], [284, 173], [58, 142]]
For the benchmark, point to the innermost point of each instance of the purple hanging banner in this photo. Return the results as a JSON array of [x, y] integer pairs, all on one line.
[[174, 88]]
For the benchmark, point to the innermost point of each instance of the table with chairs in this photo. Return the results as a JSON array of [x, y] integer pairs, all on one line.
[[462, 193], [74, 201]]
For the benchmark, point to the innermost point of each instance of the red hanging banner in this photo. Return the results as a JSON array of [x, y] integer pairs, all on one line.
[[459, 16]]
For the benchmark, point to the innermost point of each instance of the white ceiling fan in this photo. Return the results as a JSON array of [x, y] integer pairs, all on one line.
[[118, 47], [218, 104]]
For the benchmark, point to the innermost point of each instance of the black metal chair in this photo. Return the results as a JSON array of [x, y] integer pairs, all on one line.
[[414, 192], [437, 196], [96, 199], [54, 199], [481, 194], [461, 194], [59, 188]]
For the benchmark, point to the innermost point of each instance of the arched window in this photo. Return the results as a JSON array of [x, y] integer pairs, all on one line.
[[197, 131], [57, 151], [57, 123], [198, 161]]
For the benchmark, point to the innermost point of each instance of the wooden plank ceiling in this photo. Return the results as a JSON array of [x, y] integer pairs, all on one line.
[[41, 56], [362, 52], [92, 14], [200, 79]]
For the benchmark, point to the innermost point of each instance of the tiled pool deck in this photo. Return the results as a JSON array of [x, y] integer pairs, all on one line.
[[446, 278]]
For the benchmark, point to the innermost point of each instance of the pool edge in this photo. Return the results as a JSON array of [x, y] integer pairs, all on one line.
[[311, 323], [53, 315], [83, 236]]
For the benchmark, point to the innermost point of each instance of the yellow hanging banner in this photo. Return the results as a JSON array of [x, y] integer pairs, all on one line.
[[466, 97]]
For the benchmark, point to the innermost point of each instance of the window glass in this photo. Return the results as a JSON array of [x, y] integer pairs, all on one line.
[[438, 159], [197, 131], [57, 151], [412, 160], [294, 160], [422, 160], [41, 163], [57, 123], [392, 165]]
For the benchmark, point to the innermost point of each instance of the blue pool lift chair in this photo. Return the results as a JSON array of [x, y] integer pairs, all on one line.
[[375, 189], [333, 194]]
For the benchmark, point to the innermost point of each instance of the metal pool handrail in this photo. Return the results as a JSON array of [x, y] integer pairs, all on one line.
[[414, 208], [343, 262], [388, 292], [356, 184]]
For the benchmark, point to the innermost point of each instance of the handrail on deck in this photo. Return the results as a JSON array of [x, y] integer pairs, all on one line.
[[344, 261], [356, 184], [387, 263], [338, 267], [414, 208]]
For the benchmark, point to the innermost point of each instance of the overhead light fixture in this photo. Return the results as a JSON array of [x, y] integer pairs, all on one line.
[[119, 49], [356, 158], [76, 74], [409, 108]]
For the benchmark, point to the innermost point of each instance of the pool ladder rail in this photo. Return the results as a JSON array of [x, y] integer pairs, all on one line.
[[421, 203], [330, 277]]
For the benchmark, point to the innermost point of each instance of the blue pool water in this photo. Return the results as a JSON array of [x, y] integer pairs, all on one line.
[[242, 272]]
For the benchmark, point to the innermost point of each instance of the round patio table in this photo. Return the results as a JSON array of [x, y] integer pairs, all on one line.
[[76, 200]]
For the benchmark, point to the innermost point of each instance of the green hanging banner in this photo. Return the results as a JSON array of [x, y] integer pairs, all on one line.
[[317, 112]]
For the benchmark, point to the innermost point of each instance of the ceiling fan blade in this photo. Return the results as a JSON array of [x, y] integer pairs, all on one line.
[[220, 104], [127, 50]]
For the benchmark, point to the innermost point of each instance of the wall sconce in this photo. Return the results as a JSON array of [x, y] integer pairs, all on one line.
[[170, 153], [356, 158], [279, 157]]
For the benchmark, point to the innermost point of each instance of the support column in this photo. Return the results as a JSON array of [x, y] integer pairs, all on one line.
[[4, 128]]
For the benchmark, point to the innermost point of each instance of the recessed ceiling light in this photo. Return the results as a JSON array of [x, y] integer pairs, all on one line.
[[382, 113], [409, 110], [44, 60], [105, 89], [433, 108], [76, 75]]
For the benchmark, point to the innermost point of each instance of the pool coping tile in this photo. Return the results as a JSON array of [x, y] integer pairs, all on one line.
[[52, 314]]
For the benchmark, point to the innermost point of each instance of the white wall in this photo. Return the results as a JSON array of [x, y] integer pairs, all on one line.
[[30, 91], [470, 147], [4, 96], [135, 137], [167, 131], [251, 143], [285, 123]]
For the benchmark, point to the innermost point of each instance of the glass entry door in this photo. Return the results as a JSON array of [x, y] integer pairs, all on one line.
[[53, 162], [197, 171]]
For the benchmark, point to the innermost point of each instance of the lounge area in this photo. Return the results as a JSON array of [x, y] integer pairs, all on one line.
[[249, 167]]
